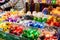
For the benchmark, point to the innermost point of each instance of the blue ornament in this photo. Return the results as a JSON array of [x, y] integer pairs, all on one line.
[[45, 11], [41, 26], [27, 24], [31, 24], [36, 25]]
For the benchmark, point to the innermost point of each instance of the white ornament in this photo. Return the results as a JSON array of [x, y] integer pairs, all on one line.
[[40, 14], [28, 13], [34, 13]]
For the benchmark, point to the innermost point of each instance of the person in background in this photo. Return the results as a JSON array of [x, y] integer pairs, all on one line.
[[47, 10], [16, 4]]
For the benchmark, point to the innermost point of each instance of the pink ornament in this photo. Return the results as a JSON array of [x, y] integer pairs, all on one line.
[[1, 1]]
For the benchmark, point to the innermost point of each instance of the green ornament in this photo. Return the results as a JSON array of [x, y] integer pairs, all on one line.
[[53, 1], [6, 36], [35, 18], [2, 34], [30, 34], [40, 19], [24, 35], [25, 31], [1, 22], [2, 39], [45, 20]]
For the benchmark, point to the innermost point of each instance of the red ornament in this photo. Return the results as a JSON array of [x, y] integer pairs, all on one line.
[[49, 22], [51, 38], [17, 30], [56, 24]]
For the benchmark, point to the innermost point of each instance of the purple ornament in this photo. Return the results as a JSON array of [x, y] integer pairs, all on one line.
[[48, 1], [15, 20], [9, 18], [39, 1], [12, 19]]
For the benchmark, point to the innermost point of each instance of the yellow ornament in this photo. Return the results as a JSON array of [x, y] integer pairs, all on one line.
[[43, 1], [4, 27], [21, 13], [14, 12], [56, 11], [4, 17], [0, 19], [50, 17], [58, 19]]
